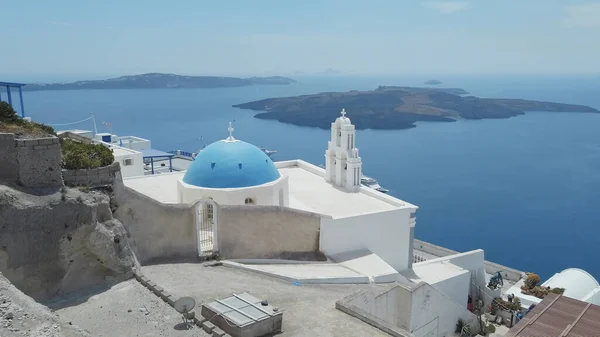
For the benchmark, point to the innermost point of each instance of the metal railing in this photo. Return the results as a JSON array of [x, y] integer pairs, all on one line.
[[418, 258], [182, 153]]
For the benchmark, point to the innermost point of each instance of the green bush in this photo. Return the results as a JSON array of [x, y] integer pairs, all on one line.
[[77, 155], [462, 328], [491, 328], [7, 113]]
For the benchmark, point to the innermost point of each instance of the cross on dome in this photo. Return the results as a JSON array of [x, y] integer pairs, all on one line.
[[343, 112], [230, 129]]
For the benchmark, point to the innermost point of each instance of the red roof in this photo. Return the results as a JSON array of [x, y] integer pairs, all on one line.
[[559, 316]]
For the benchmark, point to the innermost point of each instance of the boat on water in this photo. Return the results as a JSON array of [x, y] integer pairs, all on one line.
[[268, 152], [372, 183], [263, 149], [368, 182]]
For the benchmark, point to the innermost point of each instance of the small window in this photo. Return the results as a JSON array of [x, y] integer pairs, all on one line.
[[249, 201], [128, 162]]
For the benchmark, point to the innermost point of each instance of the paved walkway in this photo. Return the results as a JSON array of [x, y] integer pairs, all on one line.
[[356, 267]]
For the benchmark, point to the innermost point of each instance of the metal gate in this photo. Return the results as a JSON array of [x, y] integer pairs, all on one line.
[[205, 226]]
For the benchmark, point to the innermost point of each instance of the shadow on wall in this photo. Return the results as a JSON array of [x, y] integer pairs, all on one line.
[[407, 310], [265, 232], [159, 232], [167, 232]]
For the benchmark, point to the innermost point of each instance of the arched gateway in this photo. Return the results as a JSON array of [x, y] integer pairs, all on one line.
[[206, 226]]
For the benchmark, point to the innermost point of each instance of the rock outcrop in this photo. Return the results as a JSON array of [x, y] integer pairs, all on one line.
[[21, 316], [61, 242], [389, 107]]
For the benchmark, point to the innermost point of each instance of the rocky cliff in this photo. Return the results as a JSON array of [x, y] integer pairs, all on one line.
[[20, 315], [61, 241]]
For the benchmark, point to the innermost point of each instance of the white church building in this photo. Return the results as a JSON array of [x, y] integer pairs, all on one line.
[[253, 209], [234, 172]]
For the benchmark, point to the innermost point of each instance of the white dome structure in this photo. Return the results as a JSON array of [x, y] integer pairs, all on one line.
[[578, 284]]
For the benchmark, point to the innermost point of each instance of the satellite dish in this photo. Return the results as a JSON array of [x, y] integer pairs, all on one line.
[[184, 304]]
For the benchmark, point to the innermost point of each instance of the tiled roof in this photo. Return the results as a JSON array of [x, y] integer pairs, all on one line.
[[559, 316]]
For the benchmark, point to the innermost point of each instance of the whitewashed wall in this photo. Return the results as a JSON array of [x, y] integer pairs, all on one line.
[[434, 314], [135, 170], [473, 261], [387, 234], [456, 287], [271, 194]]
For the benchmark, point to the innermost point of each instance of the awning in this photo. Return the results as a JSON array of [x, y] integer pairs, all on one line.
[[152, 153]]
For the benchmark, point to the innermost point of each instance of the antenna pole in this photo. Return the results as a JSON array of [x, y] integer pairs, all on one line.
[[94, 120]]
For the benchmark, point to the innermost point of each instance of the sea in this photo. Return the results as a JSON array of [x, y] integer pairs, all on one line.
[[524, 189]]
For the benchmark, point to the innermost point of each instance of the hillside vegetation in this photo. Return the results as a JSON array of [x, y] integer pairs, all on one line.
[[10, 122]]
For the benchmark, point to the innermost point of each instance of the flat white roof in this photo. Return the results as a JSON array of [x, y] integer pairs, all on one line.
[[160, 187], [180, 164], [526, 300], [134, 139], [121, 151], [310, 192], [435, 272]]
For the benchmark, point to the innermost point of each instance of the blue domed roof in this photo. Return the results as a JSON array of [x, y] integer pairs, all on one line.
[[231, 164]]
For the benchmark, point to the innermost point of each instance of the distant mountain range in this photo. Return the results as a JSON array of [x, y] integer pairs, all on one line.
[[397, 107], [162, 81]]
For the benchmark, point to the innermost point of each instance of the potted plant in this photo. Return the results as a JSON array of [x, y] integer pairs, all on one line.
[[462, 328], [493, 311], [531, 281]]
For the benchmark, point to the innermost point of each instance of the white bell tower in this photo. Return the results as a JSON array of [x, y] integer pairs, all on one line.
[[342, 164]]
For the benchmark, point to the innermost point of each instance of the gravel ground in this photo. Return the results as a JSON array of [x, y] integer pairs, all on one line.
[[308, 310], [127, 309], [21, 316]]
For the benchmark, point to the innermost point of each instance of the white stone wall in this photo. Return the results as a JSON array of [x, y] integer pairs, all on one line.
[[490, 267], [271, 194], [136, 143], [407, 310], [456, 287], [434, 314], [386, 234], [136, 168], [472, 261]]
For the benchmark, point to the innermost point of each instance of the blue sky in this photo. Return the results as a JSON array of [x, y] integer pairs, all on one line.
[[82, 39]]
